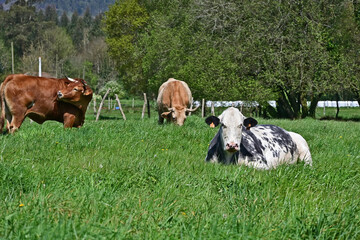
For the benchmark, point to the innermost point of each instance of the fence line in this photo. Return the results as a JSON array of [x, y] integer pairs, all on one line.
[[273, 103]]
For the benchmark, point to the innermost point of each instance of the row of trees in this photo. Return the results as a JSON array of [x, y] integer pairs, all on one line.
[[80, 6], [292, 51], [72, 46]]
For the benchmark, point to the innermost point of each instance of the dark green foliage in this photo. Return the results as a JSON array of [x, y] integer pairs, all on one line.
[[95, 6], [72, 46], [50, 14], [64, 20], [290, 51], [21, 27]]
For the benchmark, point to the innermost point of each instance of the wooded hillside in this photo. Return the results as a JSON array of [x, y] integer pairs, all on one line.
[[96, 6]]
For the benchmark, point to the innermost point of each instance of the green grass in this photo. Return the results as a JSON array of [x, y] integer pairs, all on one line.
[[134, 179]]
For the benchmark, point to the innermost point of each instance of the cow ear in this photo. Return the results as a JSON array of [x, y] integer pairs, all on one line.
[[212, 121], [165, 114], [249, 123], [88, 92]]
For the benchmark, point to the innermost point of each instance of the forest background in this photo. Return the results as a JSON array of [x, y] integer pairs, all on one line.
[[290, 51]]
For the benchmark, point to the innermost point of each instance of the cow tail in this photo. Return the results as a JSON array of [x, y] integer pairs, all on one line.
[[2, 116]]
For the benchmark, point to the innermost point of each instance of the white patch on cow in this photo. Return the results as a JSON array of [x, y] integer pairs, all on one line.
[[302, 147]]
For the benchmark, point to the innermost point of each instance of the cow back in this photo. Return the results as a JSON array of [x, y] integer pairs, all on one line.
[[174, 93]]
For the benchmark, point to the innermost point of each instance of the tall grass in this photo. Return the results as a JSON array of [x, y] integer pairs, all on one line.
[[135, 179]]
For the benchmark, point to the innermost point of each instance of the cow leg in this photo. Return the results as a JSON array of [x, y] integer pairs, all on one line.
[[8, 121], [69, 120], [15, 123], [5, 115]]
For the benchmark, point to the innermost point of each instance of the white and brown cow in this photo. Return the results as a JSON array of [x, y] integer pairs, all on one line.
[[173, 100], [241, 141]]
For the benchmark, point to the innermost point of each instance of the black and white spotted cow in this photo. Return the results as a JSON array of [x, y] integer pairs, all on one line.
[[241, 141]]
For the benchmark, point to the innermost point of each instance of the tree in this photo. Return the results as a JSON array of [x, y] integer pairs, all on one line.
[[96, 29], [124, 21], [5, 59], [55, 48], [51, 14], [115, 87], [21, 27], [64, 20], [87, 19], [290, 51]]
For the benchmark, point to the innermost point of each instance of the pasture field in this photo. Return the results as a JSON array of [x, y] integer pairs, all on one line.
[[135, 179]]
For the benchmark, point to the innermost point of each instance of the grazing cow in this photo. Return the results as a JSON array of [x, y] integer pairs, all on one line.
[[41, 99], [241, 141], [173, 101]]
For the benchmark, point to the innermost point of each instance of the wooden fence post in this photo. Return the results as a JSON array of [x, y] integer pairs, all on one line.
[[191, 104], [101, 104], [148, 107], [12, 58], [203, 108], [95, 106], [133, 103], [212, 108], [120, 108], [144, 106]]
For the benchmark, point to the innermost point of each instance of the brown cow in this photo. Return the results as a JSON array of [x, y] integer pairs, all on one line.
[[41, 99], [173, 101]]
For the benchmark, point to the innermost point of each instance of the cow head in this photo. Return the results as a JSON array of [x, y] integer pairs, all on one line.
[[177, 114], [76, 92], [232, 124]]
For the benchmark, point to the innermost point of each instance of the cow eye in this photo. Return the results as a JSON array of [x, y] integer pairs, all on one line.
[[240, 126], [223, 125], [75, 89]]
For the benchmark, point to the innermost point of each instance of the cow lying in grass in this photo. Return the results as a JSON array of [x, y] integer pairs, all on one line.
[[41, 99], [241, 141]]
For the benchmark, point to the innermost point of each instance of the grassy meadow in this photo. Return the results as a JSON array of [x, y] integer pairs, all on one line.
[[135, 179]]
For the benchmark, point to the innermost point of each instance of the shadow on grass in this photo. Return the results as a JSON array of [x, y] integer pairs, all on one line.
[[109, 118], [341, 119]]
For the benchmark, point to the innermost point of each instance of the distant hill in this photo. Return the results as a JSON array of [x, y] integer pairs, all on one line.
[[70, 6]]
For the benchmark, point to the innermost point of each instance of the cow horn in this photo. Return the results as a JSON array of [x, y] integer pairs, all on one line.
[[70, 79], [192, 110], [84, 83]]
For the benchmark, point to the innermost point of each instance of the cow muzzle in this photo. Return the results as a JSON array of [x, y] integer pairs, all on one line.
[[59, 95], [232, 147]]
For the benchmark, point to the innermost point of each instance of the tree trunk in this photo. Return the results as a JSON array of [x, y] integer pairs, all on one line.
[[357, 97], [295, 104], [337, 105], [269, 110], [304, 106], [314, 101], [283, 107]]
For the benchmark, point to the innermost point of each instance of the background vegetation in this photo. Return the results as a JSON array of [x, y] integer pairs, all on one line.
[[290, 51], [136, 179]]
